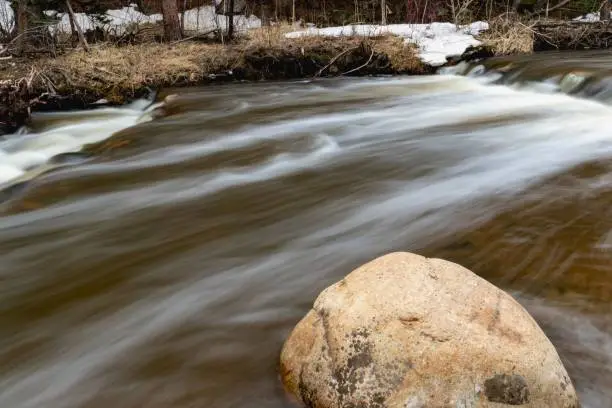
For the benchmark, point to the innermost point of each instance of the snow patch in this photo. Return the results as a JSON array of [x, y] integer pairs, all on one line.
[[7, 16], [202, 19], [436, 41], [113, 21], [117, 21], [590, 18]]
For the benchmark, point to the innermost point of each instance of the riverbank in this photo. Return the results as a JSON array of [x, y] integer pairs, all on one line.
[[117, 74]]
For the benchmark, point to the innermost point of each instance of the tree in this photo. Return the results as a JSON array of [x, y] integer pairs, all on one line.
[[604, 12], [74, 24], [172, 23], [230, 28], [383, 11], [22, 25]]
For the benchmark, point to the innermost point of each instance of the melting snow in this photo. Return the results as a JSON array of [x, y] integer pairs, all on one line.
[[6, 15], [589, 18], [200, 19], [436, 41]]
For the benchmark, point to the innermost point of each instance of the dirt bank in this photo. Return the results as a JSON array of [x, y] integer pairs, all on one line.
[[117, 74]]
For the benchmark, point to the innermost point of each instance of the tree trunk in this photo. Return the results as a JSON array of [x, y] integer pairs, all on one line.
[[172, 24], [82, 39], [604, 13], [183, 17], [73, 34], [22, 26], [383, 9], [230, 28]]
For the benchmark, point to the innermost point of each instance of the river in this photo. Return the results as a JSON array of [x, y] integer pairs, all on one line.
[[166, 267]]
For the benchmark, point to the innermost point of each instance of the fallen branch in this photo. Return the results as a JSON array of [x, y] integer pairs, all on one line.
[[361, 66], [106, 71], [194, 36], [548, 10], [334, 60]]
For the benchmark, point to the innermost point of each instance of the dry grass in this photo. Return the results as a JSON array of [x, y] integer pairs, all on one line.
[[403, 57], [508, 35], [116, 73], [144, 65], [269, 36]]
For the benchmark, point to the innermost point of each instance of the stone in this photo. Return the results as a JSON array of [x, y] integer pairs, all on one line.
[[404, 331]]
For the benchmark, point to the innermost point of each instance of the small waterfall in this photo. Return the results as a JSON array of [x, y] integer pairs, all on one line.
[[32, 150], [585, 75]]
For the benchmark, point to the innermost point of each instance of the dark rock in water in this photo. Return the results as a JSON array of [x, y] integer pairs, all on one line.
[[472, 53], [12, 190], [70, 158]]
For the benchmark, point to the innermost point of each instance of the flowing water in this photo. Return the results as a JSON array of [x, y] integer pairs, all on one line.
[[165, 265]]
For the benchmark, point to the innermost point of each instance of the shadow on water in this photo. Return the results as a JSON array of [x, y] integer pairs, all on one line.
[[167, 266]]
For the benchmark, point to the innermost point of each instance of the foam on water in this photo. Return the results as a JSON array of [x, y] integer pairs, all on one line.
[[475, 141], [65, 132]]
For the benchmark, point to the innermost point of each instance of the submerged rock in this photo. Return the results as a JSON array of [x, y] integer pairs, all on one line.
[[407, 331]]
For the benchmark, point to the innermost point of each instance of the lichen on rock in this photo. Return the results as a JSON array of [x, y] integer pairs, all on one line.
[[404, 331]]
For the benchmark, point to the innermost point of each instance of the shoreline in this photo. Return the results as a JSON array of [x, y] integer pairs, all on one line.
[[117, 75], [114, 75]]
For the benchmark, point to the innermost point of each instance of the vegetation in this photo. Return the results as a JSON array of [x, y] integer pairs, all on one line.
[[116, 71], [119, 73], [509, 35], [30, 34]]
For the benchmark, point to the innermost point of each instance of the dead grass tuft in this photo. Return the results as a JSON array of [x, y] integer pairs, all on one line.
[[403, 57], [269, 36], [144, 65], [116, 71], [508, 35]]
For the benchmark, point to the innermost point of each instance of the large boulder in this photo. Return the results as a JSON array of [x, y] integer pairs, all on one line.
[[404, 331]]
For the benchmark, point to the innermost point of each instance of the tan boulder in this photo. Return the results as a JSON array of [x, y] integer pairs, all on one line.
[[404, 331]]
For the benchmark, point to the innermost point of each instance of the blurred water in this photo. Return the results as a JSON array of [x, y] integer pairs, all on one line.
[[167, 269]]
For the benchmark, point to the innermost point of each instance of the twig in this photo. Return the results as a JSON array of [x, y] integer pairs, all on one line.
[[50, 85], [364, 65], [193, 36], [530, 28], [334, 60], [548, 10], [424, 11], [106, 71]]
